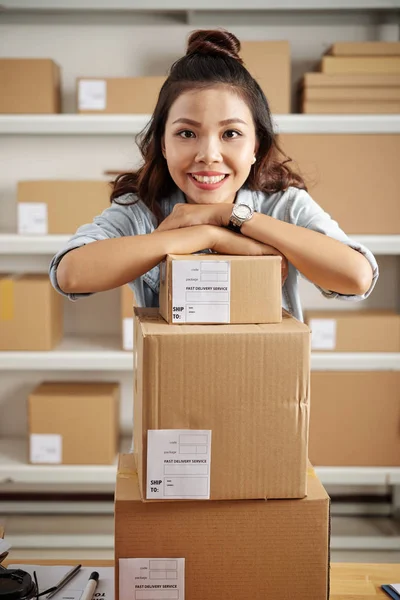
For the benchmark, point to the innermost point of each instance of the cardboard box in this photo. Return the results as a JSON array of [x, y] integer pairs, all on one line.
[[355, 418], [128, 301], [354, 331], [247, 384], [364, 64], [118, 95], [364, 49], [329, 162], [380, 107], [336, 95], [73, 423], [270, 63], [352, 80], [59, 206], [231, 550], [209, 288], [31, 313], [29, 86]]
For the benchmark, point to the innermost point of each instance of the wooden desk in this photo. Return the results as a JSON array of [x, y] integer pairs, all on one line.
[[349, 581]]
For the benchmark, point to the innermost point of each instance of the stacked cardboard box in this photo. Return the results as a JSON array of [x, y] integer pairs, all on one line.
[[355, 77], [219, 476]]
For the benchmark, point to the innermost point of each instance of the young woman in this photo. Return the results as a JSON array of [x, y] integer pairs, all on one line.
[[213, 179]]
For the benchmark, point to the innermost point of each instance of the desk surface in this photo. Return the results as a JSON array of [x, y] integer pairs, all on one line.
[[349, 581]]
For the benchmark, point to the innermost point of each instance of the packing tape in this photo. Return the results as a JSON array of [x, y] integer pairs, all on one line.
[[6, 300], [127, 473]]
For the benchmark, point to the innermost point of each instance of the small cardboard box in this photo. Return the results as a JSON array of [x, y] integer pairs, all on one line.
[[354, 331], [333, 65], [209, 288], [269, 63], [59, 206], [73, 423], [355, 418], [231, 550], [364, 49], [118, 95], [128, 301], [244, 386], [29, 86], [31, 313]]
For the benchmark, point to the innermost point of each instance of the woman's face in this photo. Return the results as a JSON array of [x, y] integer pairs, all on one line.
[[209, 144]]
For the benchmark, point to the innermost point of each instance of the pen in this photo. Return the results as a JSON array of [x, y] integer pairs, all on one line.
[[90, 586], [67, 577]]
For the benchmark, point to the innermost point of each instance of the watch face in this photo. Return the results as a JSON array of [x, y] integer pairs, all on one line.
[[242, 211]]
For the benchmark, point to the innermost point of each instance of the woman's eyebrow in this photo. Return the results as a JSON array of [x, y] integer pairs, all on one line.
[[224, 122]]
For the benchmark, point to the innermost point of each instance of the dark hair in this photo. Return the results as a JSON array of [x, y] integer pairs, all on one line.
[[212, 58]]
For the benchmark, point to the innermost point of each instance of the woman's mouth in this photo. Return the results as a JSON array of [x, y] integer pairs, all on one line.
[[208, 182]]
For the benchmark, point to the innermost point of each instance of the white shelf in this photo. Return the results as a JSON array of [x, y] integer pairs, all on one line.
[[74, 124], [359, 475], [355, 361]]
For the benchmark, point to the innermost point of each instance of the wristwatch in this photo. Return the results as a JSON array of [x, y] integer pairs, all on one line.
[[240, 214]]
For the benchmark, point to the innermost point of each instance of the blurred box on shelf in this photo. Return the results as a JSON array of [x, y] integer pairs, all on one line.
[[31, 313], [375, 48], [380, 107], [128, 301], [244, 387], [73, 423], [52, 206], [354, 330], [210, 288], [355, 418], [269, 62], [118, 95], [328, 163], [29, 86], [360, 64], [290, 537]]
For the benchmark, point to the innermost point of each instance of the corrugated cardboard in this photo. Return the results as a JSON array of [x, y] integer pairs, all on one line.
[[351, 94], [364, 64], [118, 95], [355, 418], [254, 294], [232, 550], [380, 107], [248, 384], [364, 49], [354, 331], [128, 301], [329, 162], [29, 86], [350, 80], [31, 313], [64, 204], [269, 62], [84, 415]]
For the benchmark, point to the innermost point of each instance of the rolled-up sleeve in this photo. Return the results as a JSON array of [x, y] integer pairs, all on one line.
[[305, 212]]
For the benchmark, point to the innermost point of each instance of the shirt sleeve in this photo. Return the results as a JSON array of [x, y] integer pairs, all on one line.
[[116, 221], [305, 212]]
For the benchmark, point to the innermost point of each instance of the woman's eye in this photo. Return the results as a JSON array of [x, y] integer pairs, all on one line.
[[186, 134], [232, 133]]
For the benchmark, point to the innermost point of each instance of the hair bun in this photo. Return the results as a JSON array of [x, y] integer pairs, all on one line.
[[217, 42]]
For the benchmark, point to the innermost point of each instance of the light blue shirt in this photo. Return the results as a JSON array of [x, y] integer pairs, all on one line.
[[292, 206]]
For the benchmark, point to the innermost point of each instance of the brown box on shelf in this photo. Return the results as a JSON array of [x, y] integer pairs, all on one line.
[[118, 95], [209, 288], [354, 330], [360, 64], [380, 107], [291, 537], [128, 301], [353, 80], [329, 161], [73, 423], [269, 62], [29, 86], [246, 384], [353, 95], [364, 49], [355, 418], [31, 313], [59, 206]]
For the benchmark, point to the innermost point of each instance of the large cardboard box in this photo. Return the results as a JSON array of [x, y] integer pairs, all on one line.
[[118, 95], [245, 386], [29, 86], [328, 163], [269, 63], [31, 313], [380, 107], [59, 206], [364, 49], [128, 301], [355, 418], [231, 550], [353, 330], [363, 64], [352, 80], [209, 288], [73, 423]]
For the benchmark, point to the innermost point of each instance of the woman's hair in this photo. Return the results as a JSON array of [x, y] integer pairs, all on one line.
[[212, 58]]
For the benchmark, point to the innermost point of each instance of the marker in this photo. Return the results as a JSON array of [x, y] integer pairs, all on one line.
[[90, 586]]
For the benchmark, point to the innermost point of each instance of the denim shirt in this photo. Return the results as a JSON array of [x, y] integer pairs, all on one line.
[[292, 205]]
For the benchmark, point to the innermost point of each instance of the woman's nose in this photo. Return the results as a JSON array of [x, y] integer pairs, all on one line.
[[209, 153]]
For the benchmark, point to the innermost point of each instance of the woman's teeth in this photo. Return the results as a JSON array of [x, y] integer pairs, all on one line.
[[205, 179]]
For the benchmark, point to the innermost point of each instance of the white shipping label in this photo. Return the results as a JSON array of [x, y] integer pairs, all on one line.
[[323, 334], [32, 218], [178, 463], [127, 333], [46, 448], [92, 95], [152, 578], [201, 291]]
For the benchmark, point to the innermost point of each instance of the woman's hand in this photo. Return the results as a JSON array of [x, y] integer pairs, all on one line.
[[188, 215]]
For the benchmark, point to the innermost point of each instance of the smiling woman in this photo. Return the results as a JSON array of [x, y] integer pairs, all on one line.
[[211, 169]]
